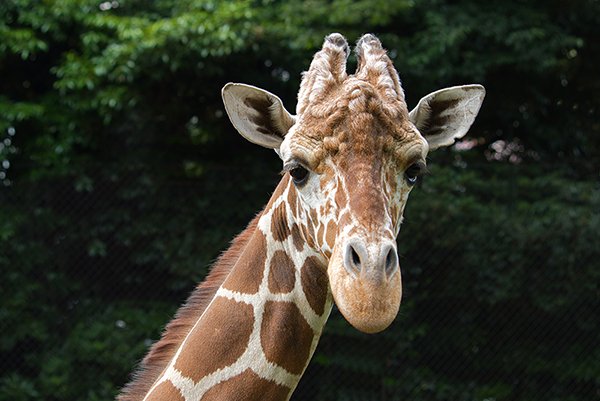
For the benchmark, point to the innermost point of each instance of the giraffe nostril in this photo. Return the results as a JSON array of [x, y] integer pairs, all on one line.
[[391, 261], [352, 259], [355, 257]]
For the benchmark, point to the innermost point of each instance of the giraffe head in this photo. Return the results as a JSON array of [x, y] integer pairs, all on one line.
[[353, 152]]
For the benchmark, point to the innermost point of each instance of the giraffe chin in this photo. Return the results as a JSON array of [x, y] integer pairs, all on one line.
[[369, 301]]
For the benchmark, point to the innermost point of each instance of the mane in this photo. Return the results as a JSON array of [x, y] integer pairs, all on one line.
[[162, 351]]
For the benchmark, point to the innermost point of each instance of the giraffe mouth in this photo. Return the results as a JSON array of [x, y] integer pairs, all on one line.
[[369, 299]]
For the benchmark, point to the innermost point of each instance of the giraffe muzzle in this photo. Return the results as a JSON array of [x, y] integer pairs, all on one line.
[[366, 283]]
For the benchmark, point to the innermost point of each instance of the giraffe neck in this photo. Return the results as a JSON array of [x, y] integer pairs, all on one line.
[[255, 338]]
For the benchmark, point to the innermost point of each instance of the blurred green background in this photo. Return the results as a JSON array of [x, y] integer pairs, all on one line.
[[121, 180]]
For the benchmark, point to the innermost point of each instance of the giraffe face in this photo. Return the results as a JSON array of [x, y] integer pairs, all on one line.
[[353, 153], [352, 171]]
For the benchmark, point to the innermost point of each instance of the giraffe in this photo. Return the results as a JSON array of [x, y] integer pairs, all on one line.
[[351, 155]]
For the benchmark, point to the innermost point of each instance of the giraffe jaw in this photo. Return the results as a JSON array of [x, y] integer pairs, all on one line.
[[369, 301]]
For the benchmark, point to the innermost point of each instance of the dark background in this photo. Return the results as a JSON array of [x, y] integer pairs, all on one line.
[[121, 180]]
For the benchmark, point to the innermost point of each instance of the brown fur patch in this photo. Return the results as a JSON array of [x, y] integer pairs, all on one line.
[[247, 386], [340, 196], [281, 273], [320, 233], [292, 198], [331, 233], [162, 351], [297, 237], [314, 217], [166, 391], [250, 268], [218, 340], [285, 336], [279, 224], [315, 284]]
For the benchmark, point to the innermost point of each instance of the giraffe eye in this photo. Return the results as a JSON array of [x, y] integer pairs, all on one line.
[[412, 173], [299, 175]]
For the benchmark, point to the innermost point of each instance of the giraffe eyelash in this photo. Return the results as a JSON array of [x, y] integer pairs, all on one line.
[[292, 165]]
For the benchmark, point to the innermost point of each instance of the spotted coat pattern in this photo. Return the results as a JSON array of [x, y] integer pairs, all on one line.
[[263, 325]]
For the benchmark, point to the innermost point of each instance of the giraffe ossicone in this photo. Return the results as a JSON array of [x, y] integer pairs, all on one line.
[[351, 155]]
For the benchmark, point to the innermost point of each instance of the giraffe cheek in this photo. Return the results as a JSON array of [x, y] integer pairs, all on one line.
[[368, 306]]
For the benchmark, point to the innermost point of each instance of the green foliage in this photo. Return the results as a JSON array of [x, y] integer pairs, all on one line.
[[121, 180], [101, 339]]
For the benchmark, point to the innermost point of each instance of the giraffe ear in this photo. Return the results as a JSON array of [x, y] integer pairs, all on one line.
[[446, 115], [259, 116]]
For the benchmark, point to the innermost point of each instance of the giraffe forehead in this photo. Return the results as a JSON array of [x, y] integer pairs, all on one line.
[[354, 123]]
